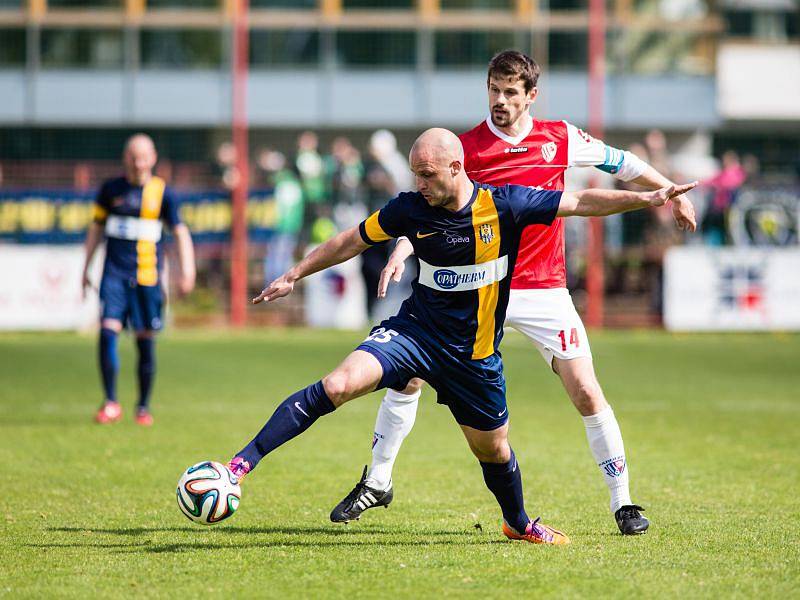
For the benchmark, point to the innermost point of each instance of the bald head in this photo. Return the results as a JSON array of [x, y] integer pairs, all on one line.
[[437, 160], [437, 144], [139, 158], [138, 142]]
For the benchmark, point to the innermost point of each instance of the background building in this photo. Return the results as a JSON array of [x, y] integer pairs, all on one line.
[[688, 82]]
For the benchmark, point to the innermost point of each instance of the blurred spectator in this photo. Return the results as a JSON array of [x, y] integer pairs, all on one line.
[[288, 196], [346, 171], [309, 167], [383, 151], [723, 187], [383, 180], [225, 166]]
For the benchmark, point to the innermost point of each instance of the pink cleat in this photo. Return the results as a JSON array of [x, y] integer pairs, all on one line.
[[110, 412], [239, 467], [537, 533], [144, 418]]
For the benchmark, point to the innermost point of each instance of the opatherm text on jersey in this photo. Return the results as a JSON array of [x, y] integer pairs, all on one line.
[[462, 278]]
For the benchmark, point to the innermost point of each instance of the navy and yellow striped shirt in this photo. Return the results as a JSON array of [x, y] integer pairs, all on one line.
[[132, 217], [466, 259]]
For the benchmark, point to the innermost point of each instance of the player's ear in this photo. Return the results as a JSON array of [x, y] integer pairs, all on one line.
[[456, 167], [532, 95]]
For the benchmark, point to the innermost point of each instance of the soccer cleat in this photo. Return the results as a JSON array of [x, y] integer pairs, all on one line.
[[630, 521], [537, 533], [239, 467], [361, 498], [110, 412], [144, 418]]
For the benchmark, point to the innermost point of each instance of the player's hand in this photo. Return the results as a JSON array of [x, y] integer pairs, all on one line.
[[683, 211], [86, 285], [186, 284], [393, 271], [279, 288], [660, 197]]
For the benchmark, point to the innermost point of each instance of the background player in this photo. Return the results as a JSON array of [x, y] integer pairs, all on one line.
[[466, 237], [128, 213], [512, 147]]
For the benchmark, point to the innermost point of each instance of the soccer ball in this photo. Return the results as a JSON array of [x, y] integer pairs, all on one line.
[[208, 493]]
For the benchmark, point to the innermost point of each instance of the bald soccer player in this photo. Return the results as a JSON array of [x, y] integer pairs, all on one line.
[[129, 214], [466, 236], [511, 147]]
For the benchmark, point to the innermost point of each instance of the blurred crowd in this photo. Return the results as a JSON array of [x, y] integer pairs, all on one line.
[[319, 193], [636, 242]]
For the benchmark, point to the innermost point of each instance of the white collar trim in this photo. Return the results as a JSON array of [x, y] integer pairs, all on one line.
[[514, 141]]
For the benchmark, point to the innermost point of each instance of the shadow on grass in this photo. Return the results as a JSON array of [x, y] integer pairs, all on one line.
[[177, 547], [318, 537], [332, 530]]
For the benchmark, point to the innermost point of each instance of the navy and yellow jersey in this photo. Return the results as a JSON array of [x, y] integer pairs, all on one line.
[[466, 259], [132, 217]]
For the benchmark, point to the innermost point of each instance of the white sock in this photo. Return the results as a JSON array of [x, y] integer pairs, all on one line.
[[396, 417], [605, 442]]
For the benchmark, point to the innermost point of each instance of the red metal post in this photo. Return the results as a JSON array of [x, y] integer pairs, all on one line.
[[240, 65], [595, 271]]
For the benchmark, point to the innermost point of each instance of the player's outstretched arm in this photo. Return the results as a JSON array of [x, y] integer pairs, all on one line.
[[183, 242], [601, 203], [335, 251], [94, 236], [682, 207], [395, 266]]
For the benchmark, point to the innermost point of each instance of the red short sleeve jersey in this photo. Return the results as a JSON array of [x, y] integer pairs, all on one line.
[[536, 158]]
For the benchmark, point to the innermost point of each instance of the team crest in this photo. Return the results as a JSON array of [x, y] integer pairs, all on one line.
[[486, 233], [549, 151], [614, 467]]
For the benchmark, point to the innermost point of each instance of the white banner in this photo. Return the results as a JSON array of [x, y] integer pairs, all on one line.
[[40, 288], [719, 289], [336, 297]]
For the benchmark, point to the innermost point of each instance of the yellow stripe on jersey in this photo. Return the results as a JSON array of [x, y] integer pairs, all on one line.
[[99, 214], [152, 195], [487, 248], [146, 259], [374, 230]]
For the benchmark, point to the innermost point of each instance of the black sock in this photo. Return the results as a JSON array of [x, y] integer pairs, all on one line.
[[109, 362], [295, 414], [505, 482], [146, 370]]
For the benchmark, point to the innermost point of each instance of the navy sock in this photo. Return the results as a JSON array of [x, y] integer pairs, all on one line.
[[147, 369], [505, 482], [295, 414], [109, 362]]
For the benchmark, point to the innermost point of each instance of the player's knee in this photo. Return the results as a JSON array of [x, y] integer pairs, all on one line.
[[338, 387], [112, 324], [414, 385], [587, 396], [493, 451]]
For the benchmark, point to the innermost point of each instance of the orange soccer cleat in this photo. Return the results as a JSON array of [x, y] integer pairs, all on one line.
[[110, 412], [537, 533]]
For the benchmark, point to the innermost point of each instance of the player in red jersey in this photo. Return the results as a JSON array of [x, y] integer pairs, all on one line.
[[510, 147]]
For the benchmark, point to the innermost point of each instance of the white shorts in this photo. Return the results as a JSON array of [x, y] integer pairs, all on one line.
[[548, 318]]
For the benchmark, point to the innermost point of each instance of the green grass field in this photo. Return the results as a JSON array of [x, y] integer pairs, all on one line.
[[711, 425]]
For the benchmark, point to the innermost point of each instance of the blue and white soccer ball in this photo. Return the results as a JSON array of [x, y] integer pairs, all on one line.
[[208, 493]]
